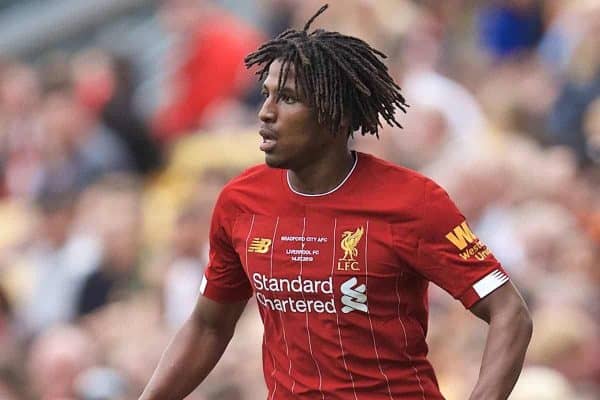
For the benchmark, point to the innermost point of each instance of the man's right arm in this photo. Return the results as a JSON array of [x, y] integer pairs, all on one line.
[[194, 350]]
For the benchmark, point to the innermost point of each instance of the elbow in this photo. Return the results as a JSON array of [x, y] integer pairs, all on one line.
[[529, 325], [522, 318], [516, 317]]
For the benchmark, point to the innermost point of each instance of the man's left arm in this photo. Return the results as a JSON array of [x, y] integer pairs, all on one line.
[[509, 332], [450, 255]]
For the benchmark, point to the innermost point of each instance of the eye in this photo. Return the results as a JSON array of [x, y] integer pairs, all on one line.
[[288, 99], [264, 93]]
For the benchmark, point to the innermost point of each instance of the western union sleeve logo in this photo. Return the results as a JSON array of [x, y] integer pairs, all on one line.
[[259, 245], [467, 243], [461, 236]]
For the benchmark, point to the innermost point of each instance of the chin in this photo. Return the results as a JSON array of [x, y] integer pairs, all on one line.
[[274, 161]]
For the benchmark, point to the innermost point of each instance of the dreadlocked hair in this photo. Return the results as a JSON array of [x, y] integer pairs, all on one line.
[[340, 76]]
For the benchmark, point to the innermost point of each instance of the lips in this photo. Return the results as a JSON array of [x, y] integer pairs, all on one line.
[[269, 139]]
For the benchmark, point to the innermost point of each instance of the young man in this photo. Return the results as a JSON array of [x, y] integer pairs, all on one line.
[[339, 247]]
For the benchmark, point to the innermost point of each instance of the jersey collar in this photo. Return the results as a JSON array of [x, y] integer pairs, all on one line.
[[287, 175]]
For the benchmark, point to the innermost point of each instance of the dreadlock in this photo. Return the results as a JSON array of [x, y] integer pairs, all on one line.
[[341, 77]]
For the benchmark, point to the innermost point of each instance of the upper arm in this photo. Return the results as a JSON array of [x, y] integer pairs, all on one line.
[[216, 316], [505, 300], [449, 254], [225, 280]]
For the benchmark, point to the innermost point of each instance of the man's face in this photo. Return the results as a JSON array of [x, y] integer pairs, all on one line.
[[292, 138]]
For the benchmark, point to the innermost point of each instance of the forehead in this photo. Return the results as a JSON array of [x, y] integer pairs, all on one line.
[[273, 76]]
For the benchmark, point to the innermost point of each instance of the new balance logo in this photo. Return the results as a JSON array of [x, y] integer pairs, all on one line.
[[259, 245], [354, 298]]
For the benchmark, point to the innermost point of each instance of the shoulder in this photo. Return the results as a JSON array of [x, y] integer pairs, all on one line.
[[399, 191], [396, 178], [258, 174], [251, 182]]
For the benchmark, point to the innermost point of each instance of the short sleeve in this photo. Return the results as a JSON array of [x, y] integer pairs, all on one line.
[[450, 255], [224, 278]]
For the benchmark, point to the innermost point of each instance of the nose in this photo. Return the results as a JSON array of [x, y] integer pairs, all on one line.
[[267, 112]]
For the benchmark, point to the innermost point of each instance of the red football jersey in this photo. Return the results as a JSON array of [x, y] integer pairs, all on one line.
[[341, 278]]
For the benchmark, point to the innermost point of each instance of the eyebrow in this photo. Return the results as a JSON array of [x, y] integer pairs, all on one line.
[[284, 90]]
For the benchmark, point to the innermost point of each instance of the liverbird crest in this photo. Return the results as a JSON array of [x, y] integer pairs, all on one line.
[[349, 242]]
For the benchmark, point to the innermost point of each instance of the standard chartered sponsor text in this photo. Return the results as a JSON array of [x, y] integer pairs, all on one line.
[[295, 285], [264, 286]]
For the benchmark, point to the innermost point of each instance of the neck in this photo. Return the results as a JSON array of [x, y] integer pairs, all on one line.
[[323, 175]]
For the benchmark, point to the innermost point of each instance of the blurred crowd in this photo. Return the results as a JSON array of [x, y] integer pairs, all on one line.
[[105, 208]]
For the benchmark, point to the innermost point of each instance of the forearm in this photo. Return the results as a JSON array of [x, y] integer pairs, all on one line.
[[508, 337], [188, 359]]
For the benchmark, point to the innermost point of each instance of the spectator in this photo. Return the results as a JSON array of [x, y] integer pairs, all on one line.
[[508, 27], [78, 148], [207, 63], [565, 122], [118, 268], [104, 85], [56, 359], [186, 265], [21, 138], [59, 260]]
